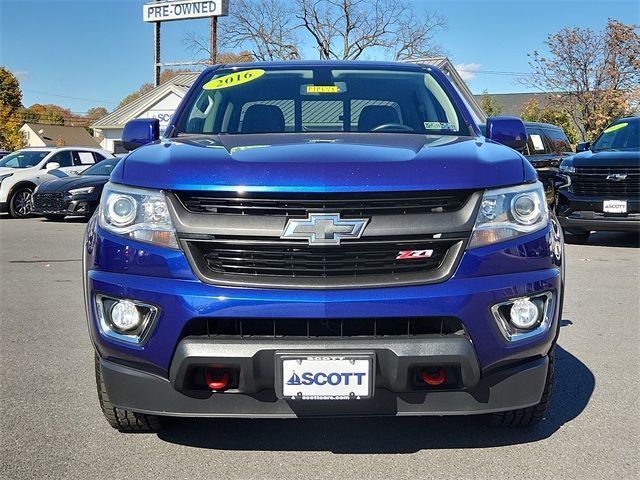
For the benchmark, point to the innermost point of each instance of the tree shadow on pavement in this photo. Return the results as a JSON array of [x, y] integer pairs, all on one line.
[[574, 384]]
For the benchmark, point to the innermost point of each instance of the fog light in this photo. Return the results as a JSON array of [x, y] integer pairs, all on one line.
[[524, 314], [125, 316]]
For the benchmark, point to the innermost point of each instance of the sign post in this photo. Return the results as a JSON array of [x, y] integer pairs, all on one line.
[[169, 10]]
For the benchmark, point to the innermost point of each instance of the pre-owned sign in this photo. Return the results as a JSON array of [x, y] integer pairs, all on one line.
[[183, 9]]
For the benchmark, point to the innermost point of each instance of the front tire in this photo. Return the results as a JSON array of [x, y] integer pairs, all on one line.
[[529, 416], [123, 420], [20, 203]]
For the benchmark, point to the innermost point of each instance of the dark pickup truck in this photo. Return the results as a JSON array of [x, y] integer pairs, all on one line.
[[602, 183]]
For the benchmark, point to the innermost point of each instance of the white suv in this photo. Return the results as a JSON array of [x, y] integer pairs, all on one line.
[[23, 170]]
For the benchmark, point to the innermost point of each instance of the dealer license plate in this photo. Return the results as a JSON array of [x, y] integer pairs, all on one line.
[[325, 376], [614, 206]]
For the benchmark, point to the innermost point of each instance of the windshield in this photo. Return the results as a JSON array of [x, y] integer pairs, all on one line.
[[104, 168], [623, 135], [23, 159], [320, 99]]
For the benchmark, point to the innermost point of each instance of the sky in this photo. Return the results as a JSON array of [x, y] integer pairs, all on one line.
[[85, 53]]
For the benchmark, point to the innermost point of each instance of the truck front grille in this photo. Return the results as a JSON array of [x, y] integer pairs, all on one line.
[[47, 201], [347, 204], [296, 260], [606, 181], [311, 328], [239, 241]]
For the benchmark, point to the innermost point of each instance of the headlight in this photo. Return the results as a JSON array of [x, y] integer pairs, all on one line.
[[137, 213], [567, 168], [510, 212], [82, 191]]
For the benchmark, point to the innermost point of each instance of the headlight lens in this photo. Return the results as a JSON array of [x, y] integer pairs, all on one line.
[[510, 212], [137, 213], [81, 191], [567, 168]]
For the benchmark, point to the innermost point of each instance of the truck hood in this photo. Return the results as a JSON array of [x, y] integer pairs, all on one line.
[[323, 163], [606, 158]]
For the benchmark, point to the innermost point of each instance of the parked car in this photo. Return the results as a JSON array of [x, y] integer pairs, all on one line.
[[323, 238], [4, 153], [78, 195], [22, 171], [602, 183], [547, 145]]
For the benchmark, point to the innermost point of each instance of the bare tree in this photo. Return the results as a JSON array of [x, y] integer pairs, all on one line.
[[338, 29], [264, 28], [345, 29], [594, 75]]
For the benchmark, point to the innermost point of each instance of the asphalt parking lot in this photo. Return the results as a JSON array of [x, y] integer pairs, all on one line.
[[51, 425]]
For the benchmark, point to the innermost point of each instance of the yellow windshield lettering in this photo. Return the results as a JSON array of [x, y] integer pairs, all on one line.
[[322, 89], [234, 79]]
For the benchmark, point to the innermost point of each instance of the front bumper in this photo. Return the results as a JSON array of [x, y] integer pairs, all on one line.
[[77, 206], [586, 213], [516, 387]]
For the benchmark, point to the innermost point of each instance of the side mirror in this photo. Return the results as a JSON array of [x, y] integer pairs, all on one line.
[[583, 147], [140, 132], [51, 166], [508, 131]]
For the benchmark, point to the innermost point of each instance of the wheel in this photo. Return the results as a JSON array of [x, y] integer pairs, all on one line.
[[525, 417], [20, 203], [576, 236], [123, 420], [54, 218]]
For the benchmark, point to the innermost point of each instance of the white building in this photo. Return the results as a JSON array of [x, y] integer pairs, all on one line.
[[162, 101], [159, 103]]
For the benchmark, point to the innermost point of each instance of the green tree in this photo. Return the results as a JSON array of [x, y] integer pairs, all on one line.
[[95, 113], [531, 112], [48, 114], [489, 104], [10, 107], [595, 75]]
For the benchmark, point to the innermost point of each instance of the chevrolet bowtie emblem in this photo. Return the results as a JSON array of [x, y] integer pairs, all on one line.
[[324, 228], [616, 177]]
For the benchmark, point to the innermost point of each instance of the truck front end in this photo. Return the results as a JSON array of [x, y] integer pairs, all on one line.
[[323, 239]]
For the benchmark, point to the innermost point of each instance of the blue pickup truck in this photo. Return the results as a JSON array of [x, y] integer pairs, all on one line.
[[323, 239]]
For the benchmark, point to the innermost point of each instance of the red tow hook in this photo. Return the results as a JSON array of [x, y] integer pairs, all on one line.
[[431, 379], [216, 379]]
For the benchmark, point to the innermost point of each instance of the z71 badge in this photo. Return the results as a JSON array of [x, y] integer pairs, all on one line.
[[414, 254]]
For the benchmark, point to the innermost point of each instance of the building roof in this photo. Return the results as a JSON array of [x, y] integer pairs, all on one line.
[[54, 134], [178, 84], [513, 103]]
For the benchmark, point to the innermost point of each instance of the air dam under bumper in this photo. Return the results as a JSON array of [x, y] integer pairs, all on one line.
[[513, 387]]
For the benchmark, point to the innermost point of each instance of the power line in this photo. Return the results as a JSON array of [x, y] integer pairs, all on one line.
[[67, 96]]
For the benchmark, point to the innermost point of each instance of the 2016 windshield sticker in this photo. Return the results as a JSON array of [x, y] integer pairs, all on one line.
[[439, 126], [323, 89], [615, 127], [234, 79]]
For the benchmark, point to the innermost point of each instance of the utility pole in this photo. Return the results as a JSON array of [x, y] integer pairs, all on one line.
[[156, 52], [213, 40]]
